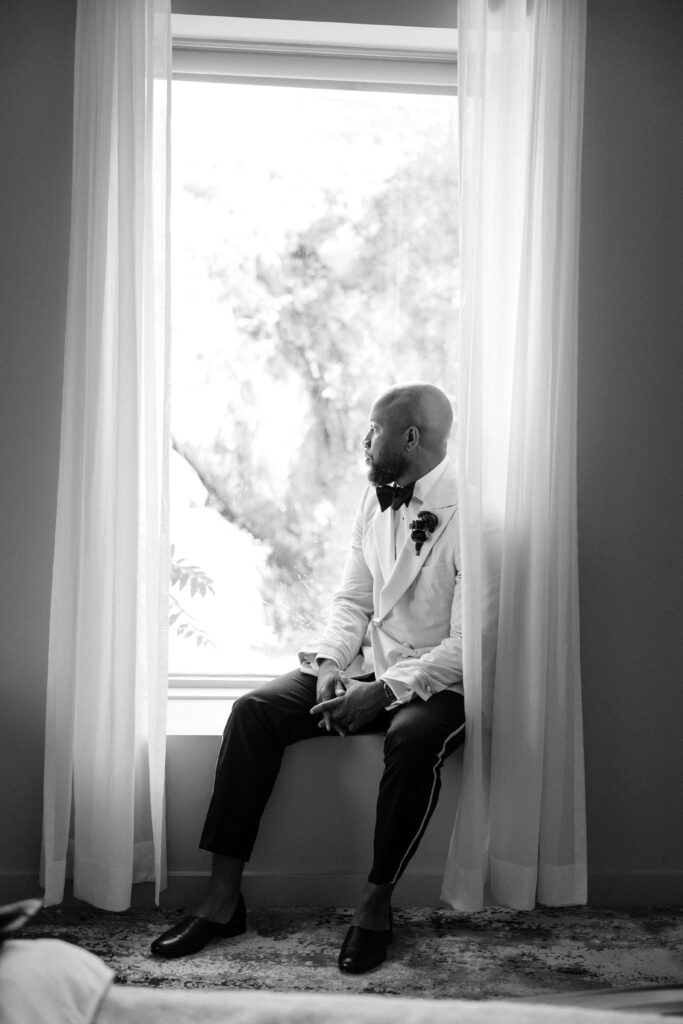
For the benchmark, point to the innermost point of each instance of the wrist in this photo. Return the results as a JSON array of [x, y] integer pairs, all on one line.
[[325, 662]]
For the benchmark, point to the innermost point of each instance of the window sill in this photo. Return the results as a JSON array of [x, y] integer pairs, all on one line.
[[199, 711]]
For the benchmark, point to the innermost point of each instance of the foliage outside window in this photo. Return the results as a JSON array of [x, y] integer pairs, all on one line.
[[315, 241]]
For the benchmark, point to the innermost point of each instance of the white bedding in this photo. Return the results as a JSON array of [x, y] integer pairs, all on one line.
[[177, 1006], [46, 981]]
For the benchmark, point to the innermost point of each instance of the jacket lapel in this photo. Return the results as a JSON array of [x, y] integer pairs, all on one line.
[[382, 531], [442, 500]]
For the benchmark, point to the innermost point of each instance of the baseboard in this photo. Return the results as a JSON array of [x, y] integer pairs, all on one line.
[[261, 889], [19, 885], [605, 889], [635, 888], [266, 889]]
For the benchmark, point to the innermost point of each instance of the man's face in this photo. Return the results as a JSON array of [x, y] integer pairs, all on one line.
[[384, 452]]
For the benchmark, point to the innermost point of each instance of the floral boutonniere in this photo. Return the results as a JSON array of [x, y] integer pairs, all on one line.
[[425, 524]]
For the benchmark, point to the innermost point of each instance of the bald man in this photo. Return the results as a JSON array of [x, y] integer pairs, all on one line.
[[389, 660]]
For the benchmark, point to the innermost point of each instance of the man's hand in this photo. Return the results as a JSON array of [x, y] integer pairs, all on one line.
[[331, 683], [356, 707]]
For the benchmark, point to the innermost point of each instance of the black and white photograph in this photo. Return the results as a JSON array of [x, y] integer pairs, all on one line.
[[341, 391]]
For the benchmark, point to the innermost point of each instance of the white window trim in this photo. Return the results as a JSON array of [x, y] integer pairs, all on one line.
[[322, 53], [332, 54], [202, 686]]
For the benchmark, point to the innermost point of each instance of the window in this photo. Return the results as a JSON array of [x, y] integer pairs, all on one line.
[[314, 247]]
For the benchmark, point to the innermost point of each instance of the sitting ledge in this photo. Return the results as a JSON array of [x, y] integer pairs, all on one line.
[[315, 842]]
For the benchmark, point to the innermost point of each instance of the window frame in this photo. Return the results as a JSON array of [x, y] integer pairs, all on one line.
[[331, 54], [305, 54]]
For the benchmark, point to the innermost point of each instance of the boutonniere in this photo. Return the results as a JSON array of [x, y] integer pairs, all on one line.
[[425, 523]]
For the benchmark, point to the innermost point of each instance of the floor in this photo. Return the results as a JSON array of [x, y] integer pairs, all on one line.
[[436, 953]]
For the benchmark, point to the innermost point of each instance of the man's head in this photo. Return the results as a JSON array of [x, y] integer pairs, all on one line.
[[408, 435]]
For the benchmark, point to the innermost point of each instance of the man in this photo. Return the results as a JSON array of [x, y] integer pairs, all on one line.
[[390, 660]]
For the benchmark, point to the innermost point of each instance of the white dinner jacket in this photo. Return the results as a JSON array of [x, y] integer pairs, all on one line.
[[400, 617]]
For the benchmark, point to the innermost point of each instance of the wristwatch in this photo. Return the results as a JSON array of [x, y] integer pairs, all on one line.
[[389, 694]]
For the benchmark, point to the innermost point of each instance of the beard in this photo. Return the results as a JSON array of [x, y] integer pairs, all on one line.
[[387, 469]]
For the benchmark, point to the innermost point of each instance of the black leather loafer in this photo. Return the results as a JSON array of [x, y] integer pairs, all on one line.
[[364, 949], [193, 933]]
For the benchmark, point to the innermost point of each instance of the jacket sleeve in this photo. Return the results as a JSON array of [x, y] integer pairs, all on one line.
[[352, 604], [437, 669]]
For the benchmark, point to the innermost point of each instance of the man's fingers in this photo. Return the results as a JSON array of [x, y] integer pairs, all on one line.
[[332, 712], [327, 709], [326, 705], [331, 726], [341, 685]]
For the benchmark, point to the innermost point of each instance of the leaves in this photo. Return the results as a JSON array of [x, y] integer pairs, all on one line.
[[182, 575], [358, 293]]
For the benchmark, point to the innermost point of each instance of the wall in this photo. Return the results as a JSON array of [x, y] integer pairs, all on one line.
[[631, 447], [630, 416], [36, 85]]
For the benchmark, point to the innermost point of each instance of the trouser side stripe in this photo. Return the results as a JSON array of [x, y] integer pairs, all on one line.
[[430, 802]]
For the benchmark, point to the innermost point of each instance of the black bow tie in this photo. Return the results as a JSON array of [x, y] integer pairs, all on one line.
[[387, 495]]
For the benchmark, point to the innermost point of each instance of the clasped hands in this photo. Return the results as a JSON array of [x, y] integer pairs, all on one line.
[[345, 706]]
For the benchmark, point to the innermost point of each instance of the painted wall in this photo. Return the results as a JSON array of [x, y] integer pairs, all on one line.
[[630, 418], [36, 86], [631, 445]]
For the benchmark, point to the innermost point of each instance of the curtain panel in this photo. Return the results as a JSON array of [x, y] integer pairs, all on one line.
[[107, 672], [519, 835]]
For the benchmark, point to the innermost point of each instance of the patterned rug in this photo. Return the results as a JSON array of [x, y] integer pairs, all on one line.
[[497, 953]]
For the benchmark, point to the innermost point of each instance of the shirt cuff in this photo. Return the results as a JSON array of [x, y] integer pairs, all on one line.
[[323, 655]]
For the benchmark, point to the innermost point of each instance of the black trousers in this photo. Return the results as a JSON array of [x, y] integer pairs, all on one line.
[[419, 737]]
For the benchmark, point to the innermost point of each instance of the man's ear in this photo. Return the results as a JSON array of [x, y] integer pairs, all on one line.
[[412, 438]]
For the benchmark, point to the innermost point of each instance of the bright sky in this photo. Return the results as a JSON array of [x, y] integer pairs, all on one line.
[[264, 143]]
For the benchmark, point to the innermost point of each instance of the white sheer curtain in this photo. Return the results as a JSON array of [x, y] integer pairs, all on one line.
[[107, 678], [521, 822]]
